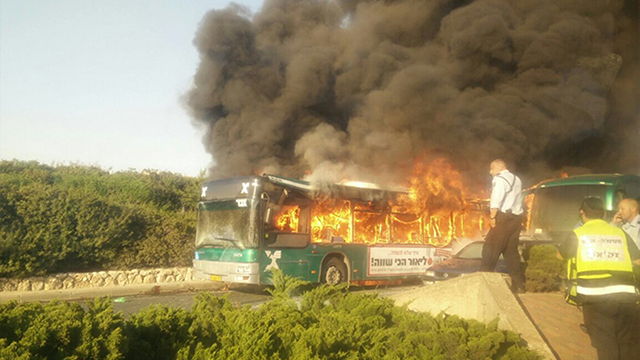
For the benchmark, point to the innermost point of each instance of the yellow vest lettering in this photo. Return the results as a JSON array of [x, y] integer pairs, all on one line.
[[602, 268]]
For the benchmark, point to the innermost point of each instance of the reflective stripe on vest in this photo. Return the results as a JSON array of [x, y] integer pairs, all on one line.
[[602, 265], [606, 290]]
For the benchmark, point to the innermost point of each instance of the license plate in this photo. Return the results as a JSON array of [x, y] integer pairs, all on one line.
[[215, 277]]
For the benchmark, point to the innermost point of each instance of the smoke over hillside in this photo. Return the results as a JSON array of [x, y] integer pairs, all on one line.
[[361, 89]]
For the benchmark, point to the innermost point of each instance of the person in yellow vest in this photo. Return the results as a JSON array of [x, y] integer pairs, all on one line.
[[600, 259]]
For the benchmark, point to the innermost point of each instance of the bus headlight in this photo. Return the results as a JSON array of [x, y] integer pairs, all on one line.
[[243, 269], [431, 273]]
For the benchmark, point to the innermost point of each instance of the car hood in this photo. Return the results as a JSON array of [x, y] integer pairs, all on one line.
[[464, 266], [458, 265]]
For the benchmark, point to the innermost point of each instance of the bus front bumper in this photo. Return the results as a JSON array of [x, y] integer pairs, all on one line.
[[233, 272]]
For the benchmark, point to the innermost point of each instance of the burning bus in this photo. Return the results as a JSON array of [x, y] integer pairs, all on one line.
[[330, 233]]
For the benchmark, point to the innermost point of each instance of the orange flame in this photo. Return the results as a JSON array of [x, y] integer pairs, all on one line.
[[290, 220], [331, 219], [528, 202], [435, 211]]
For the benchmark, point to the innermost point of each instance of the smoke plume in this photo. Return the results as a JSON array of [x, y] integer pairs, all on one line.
[[361, 89]]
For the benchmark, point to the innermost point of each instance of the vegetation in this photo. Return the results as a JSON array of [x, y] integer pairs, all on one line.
[[83, 218], [324, 323], [544, 270]]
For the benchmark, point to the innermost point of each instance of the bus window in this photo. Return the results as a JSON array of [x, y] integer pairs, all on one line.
[[288, 227], [331, 221], [289, 218], [558, 208], [617, 196], [405, 228], [370, 226], [633, 189]]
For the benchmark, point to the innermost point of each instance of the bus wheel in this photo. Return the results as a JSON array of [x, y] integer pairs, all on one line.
[[334, 272]]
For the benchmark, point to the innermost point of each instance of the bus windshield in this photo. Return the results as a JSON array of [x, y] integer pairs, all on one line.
[[557, 208], [224, 224]]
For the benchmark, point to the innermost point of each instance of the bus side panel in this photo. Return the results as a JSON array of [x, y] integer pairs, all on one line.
[[364, 262], [349, 252], [292, 262]]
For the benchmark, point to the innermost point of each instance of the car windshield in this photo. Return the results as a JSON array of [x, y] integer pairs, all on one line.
[[472, 251], [561, 206], [224, 224]]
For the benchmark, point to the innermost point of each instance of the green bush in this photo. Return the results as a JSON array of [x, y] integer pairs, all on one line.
[[544, 270], [324, 323], [81, 218], [60, 330]]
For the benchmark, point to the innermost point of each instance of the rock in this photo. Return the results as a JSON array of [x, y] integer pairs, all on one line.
[[97, 281], [37, 284], [84, 282], [122, 279], [79, 277], [11, 285], [69, 282], [161, 277], [132, 275], [53, 283], [61, 277], [24, 285]]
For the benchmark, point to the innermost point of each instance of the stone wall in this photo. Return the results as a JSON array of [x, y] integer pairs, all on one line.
[[98, 279]]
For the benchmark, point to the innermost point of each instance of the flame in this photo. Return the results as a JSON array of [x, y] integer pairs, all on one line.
[[290, 220], [435, 211], [528, 202], [331, 219]]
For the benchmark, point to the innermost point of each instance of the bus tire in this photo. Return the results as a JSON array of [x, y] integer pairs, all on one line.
[[334, 271]]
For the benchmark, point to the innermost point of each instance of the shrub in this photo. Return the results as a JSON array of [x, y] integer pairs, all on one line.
[[79, 218], [544, 270], [324, 323], [60, 330]]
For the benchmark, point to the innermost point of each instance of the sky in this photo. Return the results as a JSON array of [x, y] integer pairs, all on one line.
[[100, 82]]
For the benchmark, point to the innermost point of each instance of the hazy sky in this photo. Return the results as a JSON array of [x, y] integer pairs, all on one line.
[[99, 82]]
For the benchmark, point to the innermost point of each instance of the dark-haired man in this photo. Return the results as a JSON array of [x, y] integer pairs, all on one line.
[[600, 259], [506, 223]]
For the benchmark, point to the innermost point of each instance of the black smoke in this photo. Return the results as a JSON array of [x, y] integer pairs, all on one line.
[[360, 89]]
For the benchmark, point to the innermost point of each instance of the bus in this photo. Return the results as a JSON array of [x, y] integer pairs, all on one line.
[[323, 233], [553, 205]]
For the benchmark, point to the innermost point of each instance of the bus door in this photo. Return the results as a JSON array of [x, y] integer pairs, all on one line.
[[287, 236]]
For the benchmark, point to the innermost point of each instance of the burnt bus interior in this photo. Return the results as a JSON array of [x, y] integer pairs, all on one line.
[[293, 216]]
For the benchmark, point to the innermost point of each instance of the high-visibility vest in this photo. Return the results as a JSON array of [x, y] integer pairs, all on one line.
[[602, 268]]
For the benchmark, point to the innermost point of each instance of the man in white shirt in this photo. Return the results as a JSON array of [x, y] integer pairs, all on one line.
[[628, 218], [506, 223]]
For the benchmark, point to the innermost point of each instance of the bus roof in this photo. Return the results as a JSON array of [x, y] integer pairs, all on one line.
[[591, 179], [359, 191], [346, 189]]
